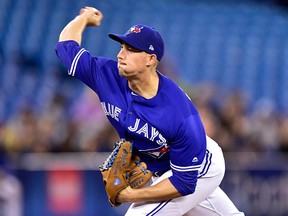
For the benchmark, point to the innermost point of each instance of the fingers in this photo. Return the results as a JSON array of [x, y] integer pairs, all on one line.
[[90, 10], [94, 16], [98, 13]]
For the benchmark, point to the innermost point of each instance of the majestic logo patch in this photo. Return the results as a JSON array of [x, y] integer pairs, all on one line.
[[195, 159]]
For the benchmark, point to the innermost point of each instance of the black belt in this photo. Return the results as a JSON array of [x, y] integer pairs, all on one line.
[[159, 173]]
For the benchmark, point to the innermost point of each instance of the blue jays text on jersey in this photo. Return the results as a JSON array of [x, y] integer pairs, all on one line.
[[166, 130]]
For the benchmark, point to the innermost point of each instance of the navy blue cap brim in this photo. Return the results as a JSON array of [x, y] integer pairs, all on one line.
[[124, 39]]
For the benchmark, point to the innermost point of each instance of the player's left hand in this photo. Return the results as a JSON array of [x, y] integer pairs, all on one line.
[[121, 171]]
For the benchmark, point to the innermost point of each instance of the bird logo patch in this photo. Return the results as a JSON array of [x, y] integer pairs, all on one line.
[[134, 29], [159, 152]]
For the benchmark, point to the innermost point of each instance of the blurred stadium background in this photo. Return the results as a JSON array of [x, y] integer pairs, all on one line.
[[230, 56]]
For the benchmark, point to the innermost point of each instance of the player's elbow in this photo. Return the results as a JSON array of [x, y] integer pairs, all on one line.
[[185, 183]]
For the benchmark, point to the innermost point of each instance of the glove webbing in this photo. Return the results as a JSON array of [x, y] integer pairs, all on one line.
[[110, 160]]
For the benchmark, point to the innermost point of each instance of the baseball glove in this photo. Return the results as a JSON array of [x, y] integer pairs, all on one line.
[[121, 169]]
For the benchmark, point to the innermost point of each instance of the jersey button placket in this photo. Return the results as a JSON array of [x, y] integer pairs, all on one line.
[[130, 111]]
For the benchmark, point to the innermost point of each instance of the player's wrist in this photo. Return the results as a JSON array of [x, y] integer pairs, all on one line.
[[125, 195], [83, 19]]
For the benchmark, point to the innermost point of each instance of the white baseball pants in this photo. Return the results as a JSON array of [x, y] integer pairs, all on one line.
[[207, 200]]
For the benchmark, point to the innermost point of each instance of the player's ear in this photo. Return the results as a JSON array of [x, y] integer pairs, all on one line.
[[152, 59]]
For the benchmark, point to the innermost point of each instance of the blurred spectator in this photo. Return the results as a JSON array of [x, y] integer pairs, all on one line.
[[234, 122], [264, 126], [229, 120], [89, 120], [283, 133], [52, 126], [19, 135], [10, 190]]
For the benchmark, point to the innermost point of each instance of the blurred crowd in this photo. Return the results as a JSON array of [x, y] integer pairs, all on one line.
[[234, 120], [79, 128], [229, 116], [239, 125]]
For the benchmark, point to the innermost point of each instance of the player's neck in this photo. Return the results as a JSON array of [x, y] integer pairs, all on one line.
[[146, 86]]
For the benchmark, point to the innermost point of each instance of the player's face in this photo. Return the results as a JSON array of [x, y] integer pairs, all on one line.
[[131, 61]]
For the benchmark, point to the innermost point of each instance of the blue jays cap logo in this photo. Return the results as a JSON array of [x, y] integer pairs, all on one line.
[[134, 29]]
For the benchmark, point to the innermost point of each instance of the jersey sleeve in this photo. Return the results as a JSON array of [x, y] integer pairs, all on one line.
[[80, 63], [186, 154]]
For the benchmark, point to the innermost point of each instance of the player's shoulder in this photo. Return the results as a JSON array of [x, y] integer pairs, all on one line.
[[75, 51], [176, 99], [173, 90], [66, 44]]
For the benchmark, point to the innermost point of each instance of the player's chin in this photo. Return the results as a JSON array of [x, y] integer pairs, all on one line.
[[125, 73], [122, 72]]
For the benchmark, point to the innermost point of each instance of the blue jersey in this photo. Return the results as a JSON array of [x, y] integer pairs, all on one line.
[[166, 130]]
